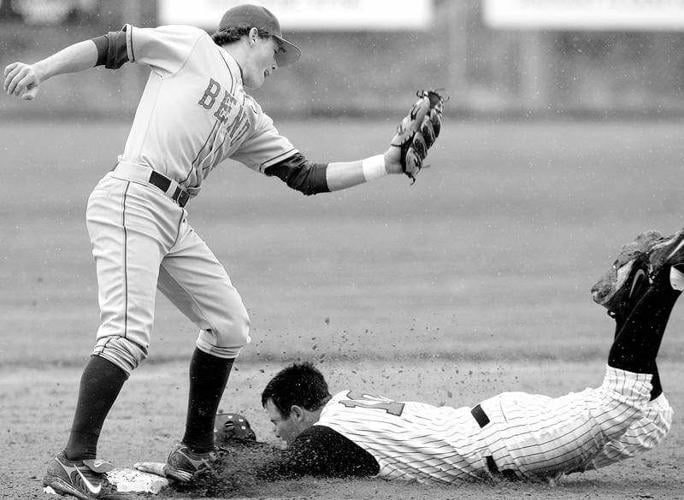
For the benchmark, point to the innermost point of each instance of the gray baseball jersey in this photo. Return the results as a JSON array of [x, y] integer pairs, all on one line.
[[194, 112]]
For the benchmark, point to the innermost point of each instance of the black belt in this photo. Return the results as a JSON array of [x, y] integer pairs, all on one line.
[[482, 420], [479, 415], [180, 195]]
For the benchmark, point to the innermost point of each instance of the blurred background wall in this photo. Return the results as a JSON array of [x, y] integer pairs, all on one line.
[[492, 64]]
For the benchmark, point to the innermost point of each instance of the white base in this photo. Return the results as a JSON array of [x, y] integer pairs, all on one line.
[[132, 480]]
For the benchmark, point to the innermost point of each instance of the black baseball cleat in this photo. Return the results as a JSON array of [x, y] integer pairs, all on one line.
[[183, 463], [668, 255], [84, 479], [621, 287], [637, 266], [633, 287]]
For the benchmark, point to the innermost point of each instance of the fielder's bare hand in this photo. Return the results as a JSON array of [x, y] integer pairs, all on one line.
[[21, 80], [415, 134]]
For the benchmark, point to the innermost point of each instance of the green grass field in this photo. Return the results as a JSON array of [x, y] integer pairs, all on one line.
[[474, 280]]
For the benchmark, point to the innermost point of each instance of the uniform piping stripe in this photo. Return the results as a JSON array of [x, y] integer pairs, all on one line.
[[208, 158], [281, 157], [125, 259], [129, 36], [232, 77], [194, 162], [213, 153], [214, 130]]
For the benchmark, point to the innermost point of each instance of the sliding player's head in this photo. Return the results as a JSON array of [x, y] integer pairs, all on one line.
[[293, 399]]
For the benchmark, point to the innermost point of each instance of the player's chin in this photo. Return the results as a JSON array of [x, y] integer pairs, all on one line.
[[254, 83], [255, 80]]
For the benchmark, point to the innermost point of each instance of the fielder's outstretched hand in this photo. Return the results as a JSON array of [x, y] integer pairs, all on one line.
[[415, 134], [21, 80]]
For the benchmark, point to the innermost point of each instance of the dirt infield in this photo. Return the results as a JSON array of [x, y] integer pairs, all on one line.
[[473, 281], [143, 429]]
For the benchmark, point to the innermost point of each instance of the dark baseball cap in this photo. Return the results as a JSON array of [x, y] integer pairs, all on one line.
[[256, 16]]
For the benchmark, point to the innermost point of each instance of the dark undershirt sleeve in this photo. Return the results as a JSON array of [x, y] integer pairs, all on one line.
[[300, 174], [321, 451], [111, 49]]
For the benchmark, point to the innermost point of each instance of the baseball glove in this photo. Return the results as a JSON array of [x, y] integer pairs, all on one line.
[[231, 428], [418, 130]]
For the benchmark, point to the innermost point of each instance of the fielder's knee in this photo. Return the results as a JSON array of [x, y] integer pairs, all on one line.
[[121, 351], [226, 341]]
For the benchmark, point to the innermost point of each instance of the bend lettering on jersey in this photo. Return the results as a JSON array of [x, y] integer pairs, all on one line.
[[232, 122], [209, 99]]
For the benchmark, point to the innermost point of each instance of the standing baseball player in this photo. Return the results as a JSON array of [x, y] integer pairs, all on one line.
[[193, 114], [512, 435]]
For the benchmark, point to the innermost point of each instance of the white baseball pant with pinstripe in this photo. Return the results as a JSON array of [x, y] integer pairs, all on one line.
[[530, 436]]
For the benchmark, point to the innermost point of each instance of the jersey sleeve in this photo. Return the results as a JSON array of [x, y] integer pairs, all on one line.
[[165, 49], [265, 146], [300, 174]]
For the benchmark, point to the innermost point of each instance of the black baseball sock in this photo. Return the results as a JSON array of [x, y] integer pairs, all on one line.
[[208, 378], [101, 383], [636, 344], [657, 388]]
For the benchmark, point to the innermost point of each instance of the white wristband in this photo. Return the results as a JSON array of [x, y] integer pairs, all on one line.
[[373, 167]]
